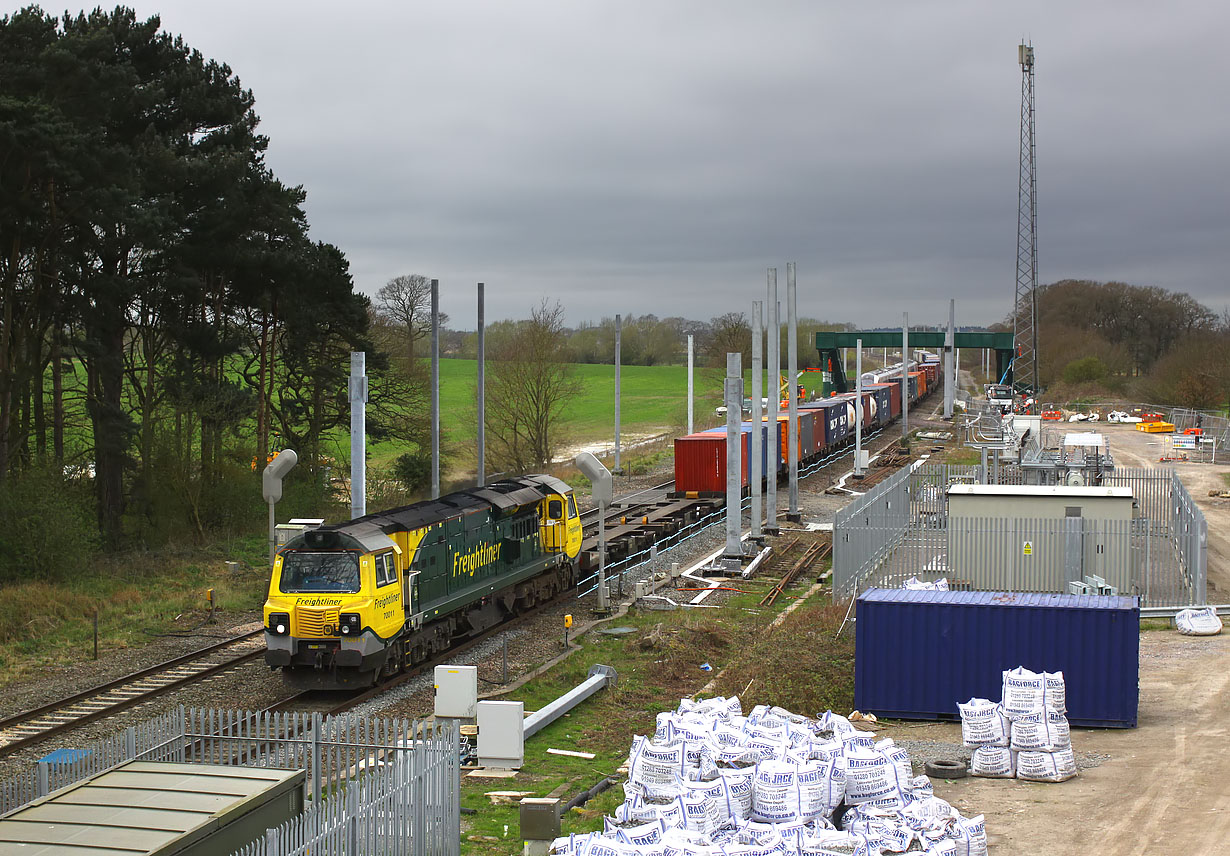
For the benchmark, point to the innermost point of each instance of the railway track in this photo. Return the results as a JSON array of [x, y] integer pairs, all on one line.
[[791, 567], [104, 700], [636, 523], [329, 702]]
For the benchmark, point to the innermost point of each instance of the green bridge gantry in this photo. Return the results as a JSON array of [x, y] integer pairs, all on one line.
[[829, 344]]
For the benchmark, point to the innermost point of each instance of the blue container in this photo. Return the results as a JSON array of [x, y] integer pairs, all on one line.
[[766, 437], [919, 653], [832, 413], [884, 405]]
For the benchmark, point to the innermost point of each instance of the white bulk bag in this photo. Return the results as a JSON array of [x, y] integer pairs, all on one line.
[[641, 835], [1041, 731], [971, 836], [871, 776], [1046, 766], [901, 762], [739, 792], [1023, 692], [983, 723], [718, 792], [657, 765], [921, 788], [1198, 622], [993, 762], [1056, 692], [783, 792]]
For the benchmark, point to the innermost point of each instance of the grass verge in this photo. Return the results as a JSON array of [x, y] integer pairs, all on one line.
[[796, 664], [48, 624]]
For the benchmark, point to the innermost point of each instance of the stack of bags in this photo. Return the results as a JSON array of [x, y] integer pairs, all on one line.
[[1025, 736], [713, 782]]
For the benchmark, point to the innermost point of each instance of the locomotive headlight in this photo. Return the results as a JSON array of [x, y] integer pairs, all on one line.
[[279, 623], [349, 623]]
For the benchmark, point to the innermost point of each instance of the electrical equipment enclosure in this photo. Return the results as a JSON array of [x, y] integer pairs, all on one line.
[[456, 691], [501, 733], [149, 808], [540, 819]]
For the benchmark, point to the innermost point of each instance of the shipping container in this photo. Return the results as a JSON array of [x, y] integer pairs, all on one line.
[[833, 415], [700, 462], [919, 653], [765, 439], [892, 398], [884, 411], [916, 386]]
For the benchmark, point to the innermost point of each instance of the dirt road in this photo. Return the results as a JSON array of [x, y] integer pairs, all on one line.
[[1132, 448], [1163, 787]]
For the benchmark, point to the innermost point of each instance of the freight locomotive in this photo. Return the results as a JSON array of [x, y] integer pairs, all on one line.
[[355, 602]]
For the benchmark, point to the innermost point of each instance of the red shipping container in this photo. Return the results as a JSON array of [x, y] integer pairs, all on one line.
[[700, 462]]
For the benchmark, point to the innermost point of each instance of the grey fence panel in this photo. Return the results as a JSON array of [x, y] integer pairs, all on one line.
[[901, 529]]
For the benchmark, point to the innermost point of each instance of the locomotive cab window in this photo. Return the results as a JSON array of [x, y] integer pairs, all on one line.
[[386, 571], [555, 509], [572, 507], [319, 572]]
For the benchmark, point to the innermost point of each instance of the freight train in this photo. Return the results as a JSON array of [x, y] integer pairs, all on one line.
[[352, 603], [825, 426], [355, 602]]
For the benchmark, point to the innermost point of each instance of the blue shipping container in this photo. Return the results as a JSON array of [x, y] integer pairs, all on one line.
[[919, 653], [833, 412], [766, 437]]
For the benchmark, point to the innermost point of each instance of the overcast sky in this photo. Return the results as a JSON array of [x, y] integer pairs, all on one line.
[[653, 156]]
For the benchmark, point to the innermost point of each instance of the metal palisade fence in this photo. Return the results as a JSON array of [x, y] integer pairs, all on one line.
[[901, 529], [373, 785]]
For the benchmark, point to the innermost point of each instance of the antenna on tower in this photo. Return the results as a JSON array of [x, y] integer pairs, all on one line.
[[1025, 307]]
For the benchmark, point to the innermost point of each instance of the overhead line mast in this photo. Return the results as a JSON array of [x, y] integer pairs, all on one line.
[[1025, 308]]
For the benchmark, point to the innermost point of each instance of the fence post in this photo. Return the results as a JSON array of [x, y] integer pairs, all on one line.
[[1201, 580], [1073, 548], [42, 786], [317, 722], [130, 742], [352, 817]]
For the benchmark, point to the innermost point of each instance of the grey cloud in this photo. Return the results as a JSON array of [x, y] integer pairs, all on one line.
[[646, 156]]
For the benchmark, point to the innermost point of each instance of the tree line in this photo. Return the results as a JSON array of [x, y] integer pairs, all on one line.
[[1141, 342], [161, 299]]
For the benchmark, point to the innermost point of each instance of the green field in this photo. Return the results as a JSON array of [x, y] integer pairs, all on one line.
[[653, 401]]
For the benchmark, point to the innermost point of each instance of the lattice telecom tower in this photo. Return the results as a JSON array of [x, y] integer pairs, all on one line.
[[1025, 309]]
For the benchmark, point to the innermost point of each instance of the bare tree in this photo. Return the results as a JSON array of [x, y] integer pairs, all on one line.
[[729, 333], [405, 301], [529, 383]]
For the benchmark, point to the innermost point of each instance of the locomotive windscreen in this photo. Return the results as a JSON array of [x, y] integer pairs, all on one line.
[[319, 572]]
